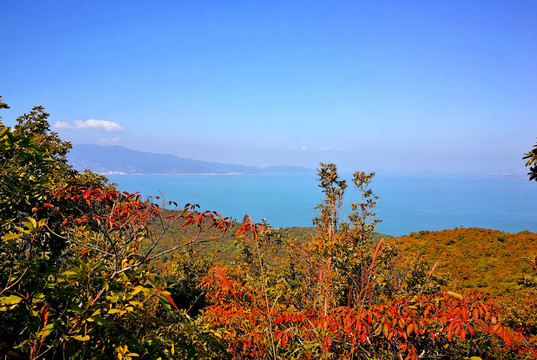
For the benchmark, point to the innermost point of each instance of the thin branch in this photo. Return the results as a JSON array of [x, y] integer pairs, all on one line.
[[7, 287], [77, 242]]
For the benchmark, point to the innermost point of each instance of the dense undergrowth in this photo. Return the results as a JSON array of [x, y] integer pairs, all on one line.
[[88, 272]]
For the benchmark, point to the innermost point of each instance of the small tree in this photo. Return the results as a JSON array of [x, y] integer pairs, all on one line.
[[346, 248]]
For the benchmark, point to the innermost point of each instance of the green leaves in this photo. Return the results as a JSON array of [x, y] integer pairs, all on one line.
[[81, 337], [73, 273], [345, 246], [9, 302], [455, 295]]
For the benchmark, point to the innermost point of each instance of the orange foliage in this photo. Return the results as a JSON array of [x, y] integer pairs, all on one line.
[[489, 260], [420, 324]]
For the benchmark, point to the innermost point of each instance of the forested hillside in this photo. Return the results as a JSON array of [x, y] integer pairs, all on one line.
[[494, 262], [88, 272]]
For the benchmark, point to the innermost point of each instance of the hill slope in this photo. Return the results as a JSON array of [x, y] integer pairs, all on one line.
[[490, 261]]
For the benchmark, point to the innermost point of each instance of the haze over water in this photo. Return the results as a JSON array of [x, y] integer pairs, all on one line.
[[394, 86], [407, 202]]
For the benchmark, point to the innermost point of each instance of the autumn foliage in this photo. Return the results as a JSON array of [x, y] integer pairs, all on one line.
[[350, 302], [90, 272]]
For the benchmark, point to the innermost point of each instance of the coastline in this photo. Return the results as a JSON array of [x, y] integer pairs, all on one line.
[[168, 174]]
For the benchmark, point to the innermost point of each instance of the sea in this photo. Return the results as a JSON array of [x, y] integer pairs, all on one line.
[[408, 202]]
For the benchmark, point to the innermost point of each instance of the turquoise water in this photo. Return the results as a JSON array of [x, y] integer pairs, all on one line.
[[407, 203]]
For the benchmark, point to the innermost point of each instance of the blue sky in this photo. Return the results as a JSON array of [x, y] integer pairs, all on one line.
[[442, 86]]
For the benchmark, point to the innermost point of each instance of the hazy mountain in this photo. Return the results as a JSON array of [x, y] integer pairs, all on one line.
[[117, 159]]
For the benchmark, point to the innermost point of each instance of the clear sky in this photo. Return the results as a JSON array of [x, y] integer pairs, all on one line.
[[444, 86]]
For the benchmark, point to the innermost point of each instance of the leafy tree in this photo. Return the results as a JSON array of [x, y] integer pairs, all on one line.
[[532, 162], [77, 278], [34, 166]]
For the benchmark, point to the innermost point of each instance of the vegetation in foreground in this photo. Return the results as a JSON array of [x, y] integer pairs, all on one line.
[[81, 277]]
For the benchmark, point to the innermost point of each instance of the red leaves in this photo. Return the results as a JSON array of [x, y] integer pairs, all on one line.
[[44, 312], [223, 280], [204, 218], [248, 225], [81, 220], [168, 298], [92, 195], [409, 328], [402, 325], [44, 206], [115, 210]]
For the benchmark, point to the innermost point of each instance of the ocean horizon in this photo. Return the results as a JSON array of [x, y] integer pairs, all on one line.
[[408, 202]]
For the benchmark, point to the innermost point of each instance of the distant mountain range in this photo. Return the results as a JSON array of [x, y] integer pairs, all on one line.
[[120, 160]]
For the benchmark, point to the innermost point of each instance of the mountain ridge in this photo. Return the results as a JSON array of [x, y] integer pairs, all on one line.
[[116, 159]]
